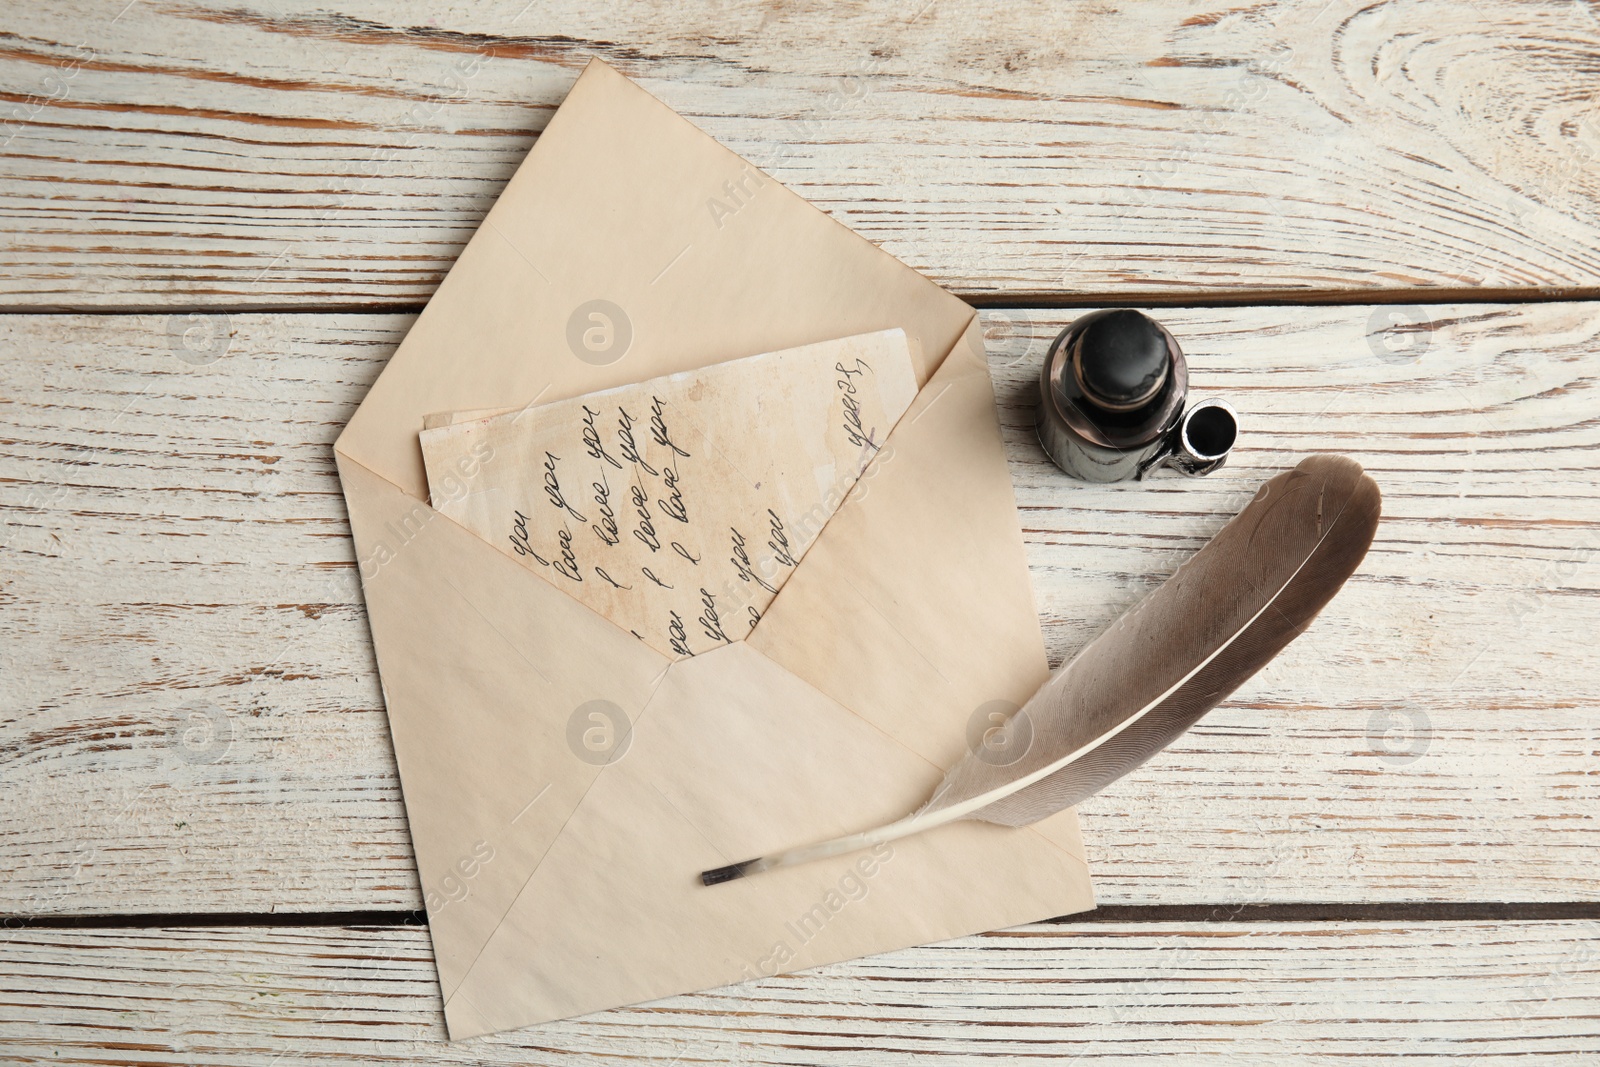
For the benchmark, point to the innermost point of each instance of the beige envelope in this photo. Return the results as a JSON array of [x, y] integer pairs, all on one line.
[[630, 245]]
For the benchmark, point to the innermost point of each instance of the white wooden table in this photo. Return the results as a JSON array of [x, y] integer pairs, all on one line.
[[1378, 228]]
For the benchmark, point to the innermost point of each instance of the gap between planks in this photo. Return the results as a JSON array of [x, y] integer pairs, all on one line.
[[1020, 300], [1421, 911]]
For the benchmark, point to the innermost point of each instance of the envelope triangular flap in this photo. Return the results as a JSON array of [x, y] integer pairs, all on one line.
[[694, 258], [910, 607], [619, 206], [481, 719]]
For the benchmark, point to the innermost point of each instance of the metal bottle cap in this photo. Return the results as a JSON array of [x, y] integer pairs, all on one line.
[[1121, 360]]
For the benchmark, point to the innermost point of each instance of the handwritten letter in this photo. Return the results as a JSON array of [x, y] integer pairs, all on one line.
[[677, 507]]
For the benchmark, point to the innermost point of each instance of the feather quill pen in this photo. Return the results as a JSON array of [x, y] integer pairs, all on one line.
[[1170, 659]]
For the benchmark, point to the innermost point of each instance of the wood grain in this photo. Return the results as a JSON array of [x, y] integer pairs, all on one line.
[[258, 155], [1094, 993], [191, 721]]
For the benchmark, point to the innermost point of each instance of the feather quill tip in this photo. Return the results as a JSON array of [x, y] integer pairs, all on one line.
[[729, 873]]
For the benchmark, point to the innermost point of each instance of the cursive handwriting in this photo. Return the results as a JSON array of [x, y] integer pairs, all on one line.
[[678, 637], [673, 506], [626, 445], [742, 565], [567, 565], [673, 501], [606, 528], [646, 530], [854, 432], [658, 428], [591, 439], [709, 621], [780, 540], [552, 486]]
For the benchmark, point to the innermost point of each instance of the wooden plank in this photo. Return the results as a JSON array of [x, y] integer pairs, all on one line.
[[279, 155], [191, 718], [1097, 993]]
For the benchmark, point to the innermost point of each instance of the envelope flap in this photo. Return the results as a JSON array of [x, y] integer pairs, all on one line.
[[914, 608], [687, 254], [491, 678]]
